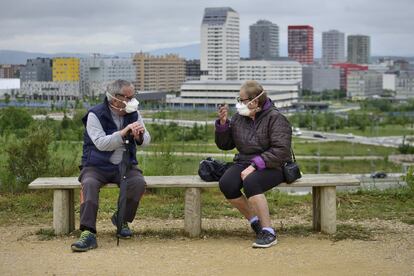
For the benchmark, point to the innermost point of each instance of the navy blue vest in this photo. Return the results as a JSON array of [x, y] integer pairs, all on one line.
[[92, 157]]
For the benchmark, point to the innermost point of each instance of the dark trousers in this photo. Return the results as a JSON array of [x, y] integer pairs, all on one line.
[[255, 183], [92, 179]]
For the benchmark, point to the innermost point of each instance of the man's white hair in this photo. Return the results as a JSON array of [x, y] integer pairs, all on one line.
[[115, 87]]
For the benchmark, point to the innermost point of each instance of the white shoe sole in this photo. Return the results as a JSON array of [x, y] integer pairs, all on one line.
[[255, 245]]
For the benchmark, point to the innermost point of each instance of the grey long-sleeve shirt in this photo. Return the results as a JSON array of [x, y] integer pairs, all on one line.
[[113, 142]]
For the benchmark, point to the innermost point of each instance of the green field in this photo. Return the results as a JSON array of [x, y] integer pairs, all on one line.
[[36, 207], [28, 207], [388, 130]]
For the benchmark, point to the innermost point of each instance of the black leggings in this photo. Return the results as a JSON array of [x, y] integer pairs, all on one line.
[[255, 183]]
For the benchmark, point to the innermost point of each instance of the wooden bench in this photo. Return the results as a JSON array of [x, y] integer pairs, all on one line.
[[323, 194]]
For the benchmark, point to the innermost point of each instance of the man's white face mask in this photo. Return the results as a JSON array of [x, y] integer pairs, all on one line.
[[243, 109], [130, 106]]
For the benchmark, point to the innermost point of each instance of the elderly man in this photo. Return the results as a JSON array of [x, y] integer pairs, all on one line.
[[106, 126]]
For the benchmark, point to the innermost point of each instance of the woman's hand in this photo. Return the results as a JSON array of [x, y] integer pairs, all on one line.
[[246, 172], [223, 113]]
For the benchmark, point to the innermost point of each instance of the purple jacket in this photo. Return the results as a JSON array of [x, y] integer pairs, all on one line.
[[266, 141]]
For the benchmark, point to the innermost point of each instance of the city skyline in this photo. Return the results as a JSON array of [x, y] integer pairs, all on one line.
[[106, 27]]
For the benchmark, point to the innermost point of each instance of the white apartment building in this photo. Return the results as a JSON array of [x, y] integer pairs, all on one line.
[[220, 44], [404, 85], [97, 71], [51, 90], [275, 70], [10, 87], [364, 84], [210, 94], [389, 81]]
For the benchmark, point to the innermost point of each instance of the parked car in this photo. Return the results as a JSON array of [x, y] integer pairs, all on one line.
[[379, 175], [317, 135], [350, 136], [296, 131]]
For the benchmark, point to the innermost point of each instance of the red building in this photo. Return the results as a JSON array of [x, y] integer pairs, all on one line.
[[300, 43], [345, 69]]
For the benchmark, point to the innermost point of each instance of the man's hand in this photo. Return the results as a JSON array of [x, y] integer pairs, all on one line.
[[246, 172], [223, 113], [136, 128]]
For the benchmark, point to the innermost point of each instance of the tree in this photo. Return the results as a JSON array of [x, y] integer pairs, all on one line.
[[7, 98]]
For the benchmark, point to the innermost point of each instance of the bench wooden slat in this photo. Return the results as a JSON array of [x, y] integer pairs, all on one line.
[[194, 181]]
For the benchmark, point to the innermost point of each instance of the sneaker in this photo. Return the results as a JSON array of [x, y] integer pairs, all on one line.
[[257, 228], [87, 240], [126, 232], [265, 239]]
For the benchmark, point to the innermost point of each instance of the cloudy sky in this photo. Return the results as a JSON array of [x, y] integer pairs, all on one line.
[[111, 26]]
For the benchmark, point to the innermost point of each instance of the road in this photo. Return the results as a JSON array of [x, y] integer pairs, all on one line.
[[299, 157], [385, 141], [183, 123]]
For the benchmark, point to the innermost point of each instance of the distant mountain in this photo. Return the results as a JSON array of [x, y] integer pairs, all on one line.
[[191, 51], [20, 57]]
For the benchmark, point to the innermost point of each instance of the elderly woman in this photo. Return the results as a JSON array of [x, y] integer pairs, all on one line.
[[262, 136]]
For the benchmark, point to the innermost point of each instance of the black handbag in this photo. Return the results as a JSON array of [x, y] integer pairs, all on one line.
[[212, 170], [291, 170]]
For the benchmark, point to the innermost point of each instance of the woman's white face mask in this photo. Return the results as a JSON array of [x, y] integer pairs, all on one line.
[[243, 109], [130, 106]]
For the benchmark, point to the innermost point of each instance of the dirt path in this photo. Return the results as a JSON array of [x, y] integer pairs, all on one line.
[[160, 253]]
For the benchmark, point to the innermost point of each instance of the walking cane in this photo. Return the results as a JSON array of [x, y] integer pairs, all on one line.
[[124, 167]]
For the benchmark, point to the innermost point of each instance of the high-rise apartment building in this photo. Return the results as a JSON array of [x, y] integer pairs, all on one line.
[[359, 49], [220, 44], [333, 47], [300, 43], [264, 40]]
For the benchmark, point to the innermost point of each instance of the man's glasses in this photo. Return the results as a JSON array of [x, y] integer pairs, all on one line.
[[128, 98]]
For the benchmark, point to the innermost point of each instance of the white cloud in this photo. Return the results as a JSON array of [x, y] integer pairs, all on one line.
[[129, 25]]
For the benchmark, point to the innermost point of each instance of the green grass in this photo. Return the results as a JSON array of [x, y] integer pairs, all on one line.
[[26, 208], [45, 234], [301, 147], [340, 149], [388, 130], [354, 232], [387, 205], [36, 207], [348, 166]]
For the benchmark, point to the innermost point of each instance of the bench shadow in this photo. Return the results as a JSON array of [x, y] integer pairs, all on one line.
[[344, 231]]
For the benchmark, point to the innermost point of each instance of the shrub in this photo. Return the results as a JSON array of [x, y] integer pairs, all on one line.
[[27, 159], [12, 119]]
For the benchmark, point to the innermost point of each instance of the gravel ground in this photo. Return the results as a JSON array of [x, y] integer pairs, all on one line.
[[159, 248]]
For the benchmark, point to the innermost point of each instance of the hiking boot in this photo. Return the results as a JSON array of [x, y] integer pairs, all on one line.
[[265, 239], [126, 232], [87, 240], [255, 225]]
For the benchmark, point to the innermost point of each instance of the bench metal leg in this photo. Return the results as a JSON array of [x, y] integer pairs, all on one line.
[[316, 201], [328, 209], [63, 211], [192, 212]]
